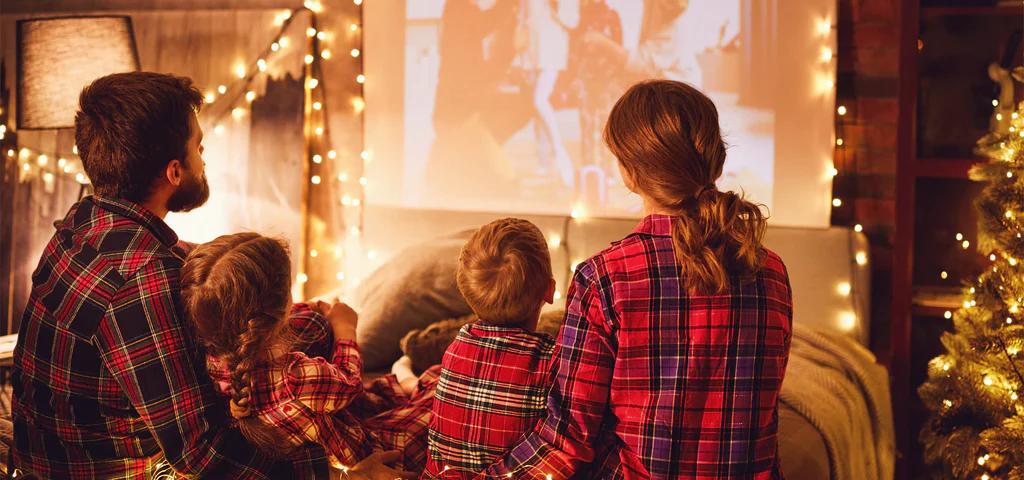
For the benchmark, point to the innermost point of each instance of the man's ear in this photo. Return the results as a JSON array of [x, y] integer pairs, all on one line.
[[549, 296], [175, 172]]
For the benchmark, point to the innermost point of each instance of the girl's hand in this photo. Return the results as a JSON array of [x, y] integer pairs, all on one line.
[[374, 468], [343, 320]]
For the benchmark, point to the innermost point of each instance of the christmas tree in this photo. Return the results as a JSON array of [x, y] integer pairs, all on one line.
[[975, 390]]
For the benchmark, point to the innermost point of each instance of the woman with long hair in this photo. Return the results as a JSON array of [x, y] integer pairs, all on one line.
[[676, 338]]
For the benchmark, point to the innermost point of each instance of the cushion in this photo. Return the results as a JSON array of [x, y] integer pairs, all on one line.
[[413, 289]]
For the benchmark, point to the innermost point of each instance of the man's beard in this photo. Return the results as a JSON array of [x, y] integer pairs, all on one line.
[[192, 194]]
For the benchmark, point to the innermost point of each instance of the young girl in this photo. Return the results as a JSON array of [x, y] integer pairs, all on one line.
[[676, 338], [294, 378]]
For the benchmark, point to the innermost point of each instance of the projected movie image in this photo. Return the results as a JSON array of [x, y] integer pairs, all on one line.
[[507, 99]]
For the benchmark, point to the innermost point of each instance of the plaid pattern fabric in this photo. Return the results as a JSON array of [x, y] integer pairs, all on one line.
[[493, 389], [314, 397], [652, 382], [108, 381]]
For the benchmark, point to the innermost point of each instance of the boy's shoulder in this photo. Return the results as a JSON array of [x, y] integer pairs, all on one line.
[[484, 342]]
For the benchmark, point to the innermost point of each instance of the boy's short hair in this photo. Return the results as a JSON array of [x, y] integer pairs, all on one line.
[[504, 271]]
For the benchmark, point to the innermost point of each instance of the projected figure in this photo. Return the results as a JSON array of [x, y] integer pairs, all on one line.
[[545, 26], [594, 87], [472, 62]]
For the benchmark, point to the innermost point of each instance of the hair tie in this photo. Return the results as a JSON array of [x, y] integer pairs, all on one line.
[[706, 188]]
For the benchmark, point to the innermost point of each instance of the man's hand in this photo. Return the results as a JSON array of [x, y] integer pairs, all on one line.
[[374, 468]]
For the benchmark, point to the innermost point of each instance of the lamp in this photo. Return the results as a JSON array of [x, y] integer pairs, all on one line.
[[57, 57]]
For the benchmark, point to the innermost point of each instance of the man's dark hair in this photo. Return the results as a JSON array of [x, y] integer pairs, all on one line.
[[129, 126]]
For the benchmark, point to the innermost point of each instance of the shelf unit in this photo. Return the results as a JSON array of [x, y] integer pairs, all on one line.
[[927, 185]]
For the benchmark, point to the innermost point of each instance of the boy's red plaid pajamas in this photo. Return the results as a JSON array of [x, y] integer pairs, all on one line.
[[316, 394], [653, 382], [493, 389]]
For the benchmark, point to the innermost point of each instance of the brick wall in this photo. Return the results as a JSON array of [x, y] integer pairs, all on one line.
[[867, 84]]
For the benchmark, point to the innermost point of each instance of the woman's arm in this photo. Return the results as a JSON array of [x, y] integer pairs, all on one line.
[[578, 402]]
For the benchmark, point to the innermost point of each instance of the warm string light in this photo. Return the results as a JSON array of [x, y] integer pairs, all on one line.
[[37, 164]]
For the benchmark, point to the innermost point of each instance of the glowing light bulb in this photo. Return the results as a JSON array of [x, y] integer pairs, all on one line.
[[317, 105], [354, 52], [999, 116], [824, 26], [238, 112], [61, 162], [360, 78], [357, 2], [42, 160], [947, 315], [321, 35], [209, 97], [261, 64], [363, 181], [240, 71], [326, 54], [841, 110], [74, 149], [317, 158], [308, 59], [315, 179], [959, 237], [826, 54], [331, 154], [219, 129], [346, 200], [947, 403], [966, 244], [862, 258], [943, 275], [275, 46], [833, 171], [340, 276], [343, 177], [310, 32], [1013, 396], [313, 253], [554, 241], [312, 83], [81, 178], [995, 103], [992, 257], [844, 288], [1009, 174], [858, 228], [988, 381], [319, 131], [839, 142], [222, 89], [250, 96], [836, 202], [946, 366], [358, 104], [365, 155], [302, 278], [353, 27]]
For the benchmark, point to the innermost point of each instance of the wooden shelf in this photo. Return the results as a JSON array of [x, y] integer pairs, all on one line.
[[944, 167], [994, 10]]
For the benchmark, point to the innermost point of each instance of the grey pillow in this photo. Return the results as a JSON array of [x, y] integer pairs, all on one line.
[[412, 290]]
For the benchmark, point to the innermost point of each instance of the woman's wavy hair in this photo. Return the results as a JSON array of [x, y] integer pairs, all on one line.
[[235, 292], [667, 139]]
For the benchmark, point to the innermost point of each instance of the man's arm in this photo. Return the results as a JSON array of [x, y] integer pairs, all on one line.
[[149, 350], [578, 401]]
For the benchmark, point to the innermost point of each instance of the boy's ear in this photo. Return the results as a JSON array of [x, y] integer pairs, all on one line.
[[549, 295], [175, 172]]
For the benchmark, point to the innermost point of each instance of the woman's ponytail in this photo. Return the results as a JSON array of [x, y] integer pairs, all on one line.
[[667, 139]]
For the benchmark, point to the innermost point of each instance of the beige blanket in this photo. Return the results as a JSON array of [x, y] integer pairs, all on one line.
[[835, 384]]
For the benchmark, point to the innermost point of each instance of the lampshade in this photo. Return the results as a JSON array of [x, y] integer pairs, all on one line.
[[57, 57]]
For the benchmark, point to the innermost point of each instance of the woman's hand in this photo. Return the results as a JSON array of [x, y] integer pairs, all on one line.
[[343, 320], [374, 468]]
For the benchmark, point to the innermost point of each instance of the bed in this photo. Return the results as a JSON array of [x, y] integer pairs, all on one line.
[[835, 419]]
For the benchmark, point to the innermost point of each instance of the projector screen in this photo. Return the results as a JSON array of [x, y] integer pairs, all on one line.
[[499, 105]]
